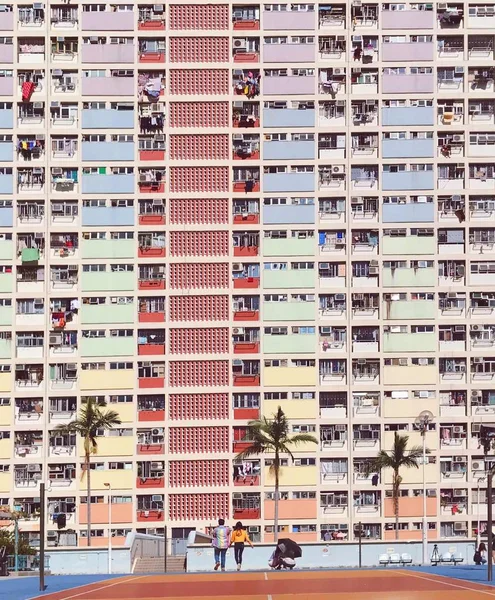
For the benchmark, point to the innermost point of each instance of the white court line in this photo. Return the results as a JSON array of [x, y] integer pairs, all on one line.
[[269, 597], [103, 587], [461, 587], [266, 577]]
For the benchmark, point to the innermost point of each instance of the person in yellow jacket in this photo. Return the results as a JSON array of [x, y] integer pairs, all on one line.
[[238, 539]]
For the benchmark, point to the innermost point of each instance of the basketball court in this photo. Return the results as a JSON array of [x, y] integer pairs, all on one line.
[[379, 584]]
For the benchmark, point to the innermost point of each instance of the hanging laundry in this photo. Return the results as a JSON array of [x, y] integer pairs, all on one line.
[[28, 88]]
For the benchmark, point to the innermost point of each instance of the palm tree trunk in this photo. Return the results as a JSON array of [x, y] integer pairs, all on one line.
[[395, 494], [277, 485], [88, 497]]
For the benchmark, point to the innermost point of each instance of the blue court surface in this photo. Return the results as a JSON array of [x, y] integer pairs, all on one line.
[[24, 588], [470, 573]]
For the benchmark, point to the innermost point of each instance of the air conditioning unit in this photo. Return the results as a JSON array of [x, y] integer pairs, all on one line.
[[253, 529], [157, 431], [477, 360], [240, 44], [476, 427], [37, 104], [339, 71], [459, 328], [460, 527], [237, 267], [238, 330], [451, 294], [34, 468], [374, 271], [423, 394], [57, 171], [339, 297], [142, 178], [361, 361], [457, 138], [338, 169], [458, 429], [478, 465], [458, 70], [237, 496], [54, 104], [297, 462], [402, 362], [476, 328], [157, 498], [55, 339], [159, 138], [459, 459], [156, 465]]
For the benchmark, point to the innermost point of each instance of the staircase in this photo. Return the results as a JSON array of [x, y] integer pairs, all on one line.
[[150, 564]]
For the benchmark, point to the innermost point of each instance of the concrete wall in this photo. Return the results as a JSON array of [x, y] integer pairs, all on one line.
[[325, 556], [88, 561]]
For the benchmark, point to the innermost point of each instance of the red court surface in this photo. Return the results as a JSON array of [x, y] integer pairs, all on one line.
[[298, 585]]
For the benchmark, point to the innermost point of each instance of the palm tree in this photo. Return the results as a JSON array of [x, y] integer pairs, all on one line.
[[91, 419], [272, 436], [400, 457]]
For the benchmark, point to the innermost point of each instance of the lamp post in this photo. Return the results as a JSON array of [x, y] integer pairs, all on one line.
[[109, 486], [422, 422], [478, 535]]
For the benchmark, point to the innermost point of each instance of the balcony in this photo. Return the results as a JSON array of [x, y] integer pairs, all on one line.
[[245, 373], [246, 50], [108, 281], [151, 18], [107, 215], [407, 19], [151, 212], [408, 148], [407, 51], [289, 86], [288, 278], [289, 344], [7, 85], [289, 20], [412, 212], [151, 342], [122, 183], [151, 408], [289, 53], [291, 246], [288, 214], [289, 117], [103, 151], [100, 86], [6, 182], [107, 119], [107, 21], [288, 150], [106, 346], [107, 248], [288, 182], [394, 83], [245, 276], [246, 308], [408, 180], [408, 115]]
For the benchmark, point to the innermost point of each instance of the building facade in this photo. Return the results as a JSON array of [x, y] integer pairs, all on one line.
[[211, 210]]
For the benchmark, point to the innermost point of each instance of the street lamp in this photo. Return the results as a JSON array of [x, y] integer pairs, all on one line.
[[109, 486], [422, 422]]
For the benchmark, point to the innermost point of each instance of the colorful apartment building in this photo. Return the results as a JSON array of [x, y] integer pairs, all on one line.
[[210, 210]]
